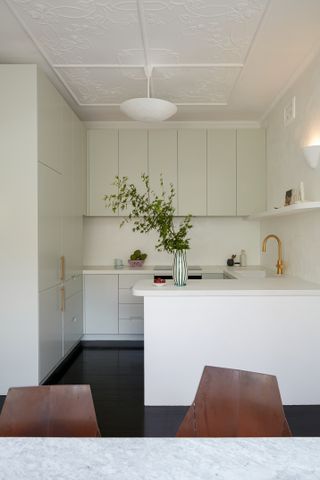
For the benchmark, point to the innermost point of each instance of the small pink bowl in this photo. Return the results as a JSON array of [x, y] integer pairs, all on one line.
[[136, 263]]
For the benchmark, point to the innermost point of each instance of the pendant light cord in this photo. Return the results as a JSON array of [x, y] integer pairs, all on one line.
[[147, 63]]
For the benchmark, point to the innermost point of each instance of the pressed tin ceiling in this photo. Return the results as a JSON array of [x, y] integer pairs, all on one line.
[[200, 50]]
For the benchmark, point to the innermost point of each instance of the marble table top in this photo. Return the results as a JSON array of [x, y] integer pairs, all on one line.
[[159, 459]]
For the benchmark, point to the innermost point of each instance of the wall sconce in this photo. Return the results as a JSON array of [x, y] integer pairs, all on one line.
[[312, 155]]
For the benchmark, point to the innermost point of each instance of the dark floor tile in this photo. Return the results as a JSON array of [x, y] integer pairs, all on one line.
[[304, 420], [2, 399], [163, 421]]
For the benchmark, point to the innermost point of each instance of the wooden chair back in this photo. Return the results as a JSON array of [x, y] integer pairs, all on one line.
[[49, 411], [235, 403]]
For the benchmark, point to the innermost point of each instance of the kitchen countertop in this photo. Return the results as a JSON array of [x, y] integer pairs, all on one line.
[[270, 285], [239, 283], [145, 270], [161, 459]]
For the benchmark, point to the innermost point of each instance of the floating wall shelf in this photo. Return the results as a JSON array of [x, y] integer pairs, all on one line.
[[289, 210]]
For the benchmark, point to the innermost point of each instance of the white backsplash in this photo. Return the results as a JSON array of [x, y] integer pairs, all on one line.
[[213, 240], [286, 168]]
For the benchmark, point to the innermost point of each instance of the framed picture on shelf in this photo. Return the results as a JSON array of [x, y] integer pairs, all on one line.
[[289, 198]]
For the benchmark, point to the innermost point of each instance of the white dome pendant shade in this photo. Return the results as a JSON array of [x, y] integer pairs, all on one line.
[[147, 109]]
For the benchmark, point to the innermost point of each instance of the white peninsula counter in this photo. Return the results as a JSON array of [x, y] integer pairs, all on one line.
[[269, 325]]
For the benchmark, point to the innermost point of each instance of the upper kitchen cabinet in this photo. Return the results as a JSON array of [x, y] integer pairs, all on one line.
[[222, 172], [68, 208], [192, 172], [49, 226], [84, 167], [251, 171], [49, 124], [133, 156], [215, 172], [103, 167], [77, 196], [163, 152], [71, 144]]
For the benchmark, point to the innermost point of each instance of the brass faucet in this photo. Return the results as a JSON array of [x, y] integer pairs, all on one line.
[[279, 261]]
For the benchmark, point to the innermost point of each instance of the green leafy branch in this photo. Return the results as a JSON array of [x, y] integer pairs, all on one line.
[[149, 211]]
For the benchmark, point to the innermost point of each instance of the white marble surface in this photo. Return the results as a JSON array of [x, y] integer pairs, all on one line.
[[159, 459]]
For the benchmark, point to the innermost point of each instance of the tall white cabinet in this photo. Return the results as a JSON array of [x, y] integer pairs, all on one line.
[[41, 195]]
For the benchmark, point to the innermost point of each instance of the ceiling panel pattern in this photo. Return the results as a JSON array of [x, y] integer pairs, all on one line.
[[82, 31], [103, 86], [194, 85], [204, 30], [99, 47]]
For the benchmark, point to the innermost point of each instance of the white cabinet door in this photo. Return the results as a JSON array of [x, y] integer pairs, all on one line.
[[163, 159], [77, 194], [50, 330], [192, 172], [103, 167], [133, 156], [222, 172], [72, 322], [49, 123], [251, 171], [84, 169], [49, 228], [68, 215], [101, 304], [71, 150]]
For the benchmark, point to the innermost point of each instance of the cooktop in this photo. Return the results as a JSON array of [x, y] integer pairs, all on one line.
[[169, 267]]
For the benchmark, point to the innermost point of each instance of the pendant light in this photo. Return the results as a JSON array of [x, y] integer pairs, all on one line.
[[148, 109]]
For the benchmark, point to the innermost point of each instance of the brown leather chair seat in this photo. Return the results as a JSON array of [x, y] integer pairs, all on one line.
[[235, 403], [49, 411]]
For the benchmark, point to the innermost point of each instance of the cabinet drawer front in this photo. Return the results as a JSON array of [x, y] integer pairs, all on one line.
[[133, 326], [74, 285], [130, 311], [127, 281], [125, 296]]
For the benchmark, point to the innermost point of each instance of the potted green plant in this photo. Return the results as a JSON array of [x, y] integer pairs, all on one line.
[[137, 259], [149, 211]]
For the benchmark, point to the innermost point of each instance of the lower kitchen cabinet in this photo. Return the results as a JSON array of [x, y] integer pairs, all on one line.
[[109, 306], [59, 331], [131, 319], [73, 314], [50, 330], [130, 307], [101, 304]]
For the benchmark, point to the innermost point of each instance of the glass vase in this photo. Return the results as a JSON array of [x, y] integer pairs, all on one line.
[[180, 268]]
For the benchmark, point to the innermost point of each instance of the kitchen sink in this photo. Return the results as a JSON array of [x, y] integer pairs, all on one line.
[[250, 273]]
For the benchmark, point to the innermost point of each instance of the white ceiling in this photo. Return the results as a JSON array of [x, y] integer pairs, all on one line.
[[217, 59]]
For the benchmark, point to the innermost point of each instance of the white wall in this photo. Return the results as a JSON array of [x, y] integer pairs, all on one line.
[[213, 240], [286, 168]]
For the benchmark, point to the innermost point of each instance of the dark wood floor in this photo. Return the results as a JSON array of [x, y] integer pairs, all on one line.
[[116, 379]]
